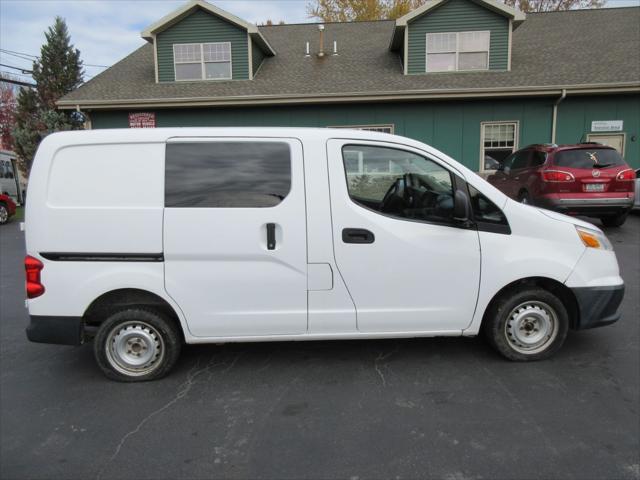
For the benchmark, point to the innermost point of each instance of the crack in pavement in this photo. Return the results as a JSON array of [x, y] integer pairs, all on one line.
[[183, 390], [383, 356]]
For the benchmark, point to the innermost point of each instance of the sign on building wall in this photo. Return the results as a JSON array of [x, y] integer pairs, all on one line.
[[142, 120], [606, 126]]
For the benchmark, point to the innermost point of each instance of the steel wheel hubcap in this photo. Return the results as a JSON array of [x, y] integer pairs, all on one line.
[[531, 327], [134, 348]]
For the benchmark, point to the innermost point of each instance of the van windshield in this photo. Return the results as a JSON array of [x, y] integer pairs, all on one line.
[[588, 158]]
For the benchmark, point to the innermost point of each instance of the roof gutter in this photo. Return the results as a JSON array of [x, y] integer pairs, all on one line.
[[554, 119], [350, 97]]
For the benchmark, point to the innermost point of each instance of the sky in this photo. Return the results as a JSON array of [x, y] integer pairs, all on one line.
[[105, 31]]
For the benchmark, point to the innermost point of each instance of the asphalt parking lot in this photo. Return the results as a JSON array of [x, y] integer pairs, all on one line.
[[421, 408]]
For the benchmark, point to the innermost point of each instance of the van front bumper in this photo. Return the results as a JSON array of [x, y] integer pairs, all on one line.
[[59, 330], [598, 306]]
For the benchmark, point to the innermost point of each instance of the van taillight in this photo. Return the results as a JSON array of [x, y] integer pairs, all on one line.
[[627, 175], [32, 268], [557, 176]]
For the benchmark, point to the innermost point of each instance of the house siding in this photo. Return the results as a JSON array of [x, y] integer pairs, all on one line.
[[202, 27], [450, 126], [459, 16], [257, 57]]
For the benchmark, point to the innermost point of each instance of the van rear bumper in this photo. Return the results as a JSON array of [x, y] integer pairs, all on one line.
[[60, 330], [598, 306]]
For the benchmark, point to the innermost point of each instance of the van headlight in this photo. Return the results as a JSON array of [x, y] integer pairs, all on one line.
[[594, 238]]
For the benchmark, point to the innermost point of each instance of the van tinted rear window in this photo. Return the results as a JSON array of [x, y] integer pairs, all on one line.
[[227, 174], [588, 158]]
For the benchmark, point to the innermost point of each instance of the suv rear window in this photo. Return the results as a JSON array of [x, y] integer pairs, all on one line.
[[588, 158]]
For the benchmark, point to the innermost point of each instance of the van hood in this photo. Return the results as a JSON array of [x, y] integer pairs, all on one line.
[[567, 219]]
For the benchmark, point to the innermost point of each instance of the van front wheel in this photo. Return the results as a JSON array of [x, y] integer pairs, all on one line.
[[527, 325], [136, 345]]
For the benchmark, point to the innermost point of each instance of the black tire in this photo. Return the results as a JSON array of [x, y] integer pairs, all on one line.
[[524, 197], [507, 322], [133, 335], [614, 220], [4, 214]]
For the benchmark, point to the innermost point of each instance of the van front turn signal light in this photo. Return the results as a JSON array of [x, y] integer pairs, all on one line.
[[593, 238]]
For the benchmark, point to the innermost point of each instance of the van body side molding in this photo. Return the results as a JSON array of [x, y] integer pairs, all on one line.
[[103, 257]]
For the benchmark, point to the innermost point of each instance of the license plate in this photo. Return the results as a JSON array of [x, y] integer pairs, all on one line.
[[594, 187]]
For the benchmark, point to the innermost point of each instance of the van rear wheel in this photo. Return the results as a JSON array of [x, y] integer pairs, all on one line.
[[527, 325], [136, 345]]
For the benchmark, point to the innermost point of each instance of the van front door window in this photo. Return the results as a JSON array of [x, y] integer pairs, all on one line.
[[398, 183]]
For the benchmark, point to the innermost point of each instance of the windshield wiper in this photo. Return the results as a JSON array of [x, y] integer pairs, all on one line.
[[602, 165]]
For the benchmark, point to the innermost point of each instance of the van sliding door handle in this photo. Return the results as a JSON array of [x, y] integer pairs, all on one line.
[[271, 236], [357, 235]]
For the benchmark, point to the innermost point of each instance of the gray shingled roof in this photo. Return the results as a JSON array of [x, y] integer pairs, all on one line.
[[584, 47]]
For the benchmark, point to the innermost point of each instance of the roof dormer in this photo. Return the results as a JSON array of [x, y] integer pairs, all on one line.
[[201, 42], [456, 36]]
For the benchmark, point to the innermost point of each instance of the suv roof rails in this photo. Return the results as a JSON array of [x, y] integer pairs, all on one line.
[[550, 145]]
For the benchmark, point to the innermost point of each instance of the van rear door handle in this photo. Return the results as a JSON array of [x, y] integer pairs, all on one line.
[[357, 235]]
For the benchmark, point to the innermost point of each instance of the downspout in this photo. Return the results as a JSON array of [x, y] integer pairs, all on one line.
[[554, 120]]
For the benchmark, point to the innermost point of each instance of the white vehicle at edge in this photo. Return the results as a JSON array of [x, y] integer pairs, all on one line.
[[266, 234]]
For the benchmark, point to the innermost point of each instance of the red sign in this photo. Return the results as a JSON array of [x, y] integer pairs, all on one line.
[[142, 120]]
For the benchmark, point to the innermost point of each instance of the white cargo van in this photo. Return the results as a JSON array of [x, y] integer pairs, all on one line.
[[143, 240]]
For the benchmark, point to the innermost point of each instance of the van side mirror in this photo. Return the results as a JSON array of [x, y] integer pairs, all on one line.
[[461, 207]]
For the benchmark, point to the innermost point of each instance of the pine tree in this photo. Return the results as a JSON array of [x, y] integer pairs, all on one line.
[[26, 134], [56, 72], [59, 68]]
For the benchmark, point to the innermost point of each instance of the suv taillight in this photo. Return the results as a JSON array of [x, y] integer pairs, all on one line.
[[557, 176], [627, 175], [32, 268]]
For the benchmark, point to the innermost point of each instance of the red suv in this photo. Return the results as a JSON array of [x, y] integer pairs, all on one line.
[[7, 208], [585, 179]]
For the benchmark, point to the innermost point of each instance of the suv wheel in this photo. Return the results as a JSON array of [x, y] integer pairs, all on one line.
[[524, 197], [136, 345], [614, 220], [4, 214], [526, 325]]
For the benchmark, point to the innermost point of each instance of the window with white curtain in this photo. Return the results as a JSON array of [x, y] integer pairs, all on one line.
[[202, 61], [457, 51], [498, 141]]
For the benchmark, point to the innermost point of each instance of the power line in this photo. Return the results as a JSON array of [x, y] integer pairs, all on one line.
[[16, 82], [33, 57], [21, 57], [23, 70], [18, 53]]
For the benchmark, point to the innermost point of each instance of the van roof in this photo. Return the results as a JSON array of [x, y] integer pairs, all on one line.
[[163, 134]]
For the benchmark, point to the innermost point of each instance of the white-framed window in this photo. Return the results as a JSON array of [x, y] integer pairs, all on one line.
[[202, 61], [383, 128], [498, 140], [457, 51]]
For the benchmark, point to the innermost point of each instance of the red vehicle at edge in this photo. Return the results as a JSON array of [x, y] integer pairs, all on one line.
[[584, 179], [7, 208]]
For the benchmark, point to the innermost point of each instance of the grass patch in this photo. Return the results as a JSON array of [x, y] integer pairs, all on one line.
[[19, 216]]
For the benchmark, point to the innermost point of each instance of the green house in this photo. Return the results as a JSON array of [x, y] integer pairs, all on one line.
[[474, 78]]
